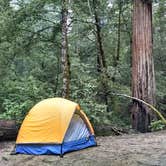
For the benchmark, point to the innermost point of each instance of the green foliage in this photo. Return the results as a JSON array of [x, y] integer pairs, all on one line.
[[17, 97], [157, 125], [14, 110], [30, 49], [97, 113]]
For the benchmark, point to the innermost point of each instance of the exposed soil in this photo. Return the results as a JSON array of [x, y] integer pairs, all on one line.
[[127, 150]]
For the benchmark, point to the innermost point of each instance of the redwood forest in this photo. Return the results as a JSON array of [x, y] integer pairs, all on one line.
[[109, 56]]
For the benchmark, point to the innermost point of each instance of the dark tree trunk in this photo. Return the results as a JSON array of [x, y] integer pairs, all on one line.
[[143, 81], [101, 62], [8, 130], [55, 43], [116, 57], [118, 34], [64, 51]]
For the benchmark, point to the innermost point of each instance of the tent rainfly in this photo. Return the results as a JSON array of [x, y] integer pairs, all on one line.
[[54, 126]]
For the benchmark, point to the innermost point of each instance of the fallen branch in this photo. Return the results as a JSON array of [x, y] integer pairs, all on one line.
[[117, 131], [106, 130]]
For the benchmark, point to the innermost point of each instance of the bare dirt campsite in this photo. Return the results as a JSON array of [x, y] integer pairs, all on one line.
[[128, 150]]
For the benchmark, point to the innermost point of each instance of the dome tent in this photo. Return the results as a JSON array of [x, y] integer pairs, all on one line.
[[54, 126]]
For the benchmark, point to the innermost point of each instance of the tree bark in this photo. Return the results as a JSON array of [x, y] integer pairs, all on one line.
[[143, 80], [64, 51]]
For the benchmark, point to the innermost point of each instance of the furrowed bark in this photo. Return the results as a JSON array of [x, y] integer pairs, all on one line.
[[143, 82]]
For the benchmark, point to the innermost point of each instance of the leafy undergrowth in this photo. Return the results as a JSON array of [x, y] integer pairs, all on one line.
[[157, 125]]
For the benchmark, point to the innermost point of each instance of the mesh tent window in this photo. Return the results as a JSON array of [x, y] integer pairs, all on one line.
[[77, 129]]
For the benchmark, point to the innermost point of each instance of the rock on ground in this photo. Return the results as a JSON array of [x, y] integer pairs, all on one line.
[[127, 150]]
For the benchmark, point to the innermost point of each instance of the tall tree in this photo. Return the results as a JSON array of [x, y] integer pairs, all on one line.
[[116, 56], [118, 33], [143, 81], [64, 51], [101, 64], [101, 60]]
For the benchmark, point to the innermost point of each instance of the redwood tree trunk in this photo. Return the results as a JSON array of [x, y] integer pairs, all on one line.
[[64, 51], [143, 82]]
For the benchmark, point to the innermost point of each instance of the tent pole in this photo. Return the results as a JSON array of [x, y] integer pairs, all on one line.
[[61, 155]]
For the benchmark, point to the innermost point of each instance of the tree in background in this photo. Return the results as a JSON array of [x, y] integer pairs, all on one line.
[[143, 80], [101, 60], [64, 51], [159, 39], [116, 59], [31, 49]]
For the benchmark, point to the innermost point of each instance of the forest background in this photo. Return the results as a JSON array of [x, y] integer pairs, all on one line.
[[31, 63]]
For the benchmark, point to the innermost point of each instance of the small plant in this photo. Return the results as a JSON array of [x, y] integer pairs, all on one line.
[[157, 125]]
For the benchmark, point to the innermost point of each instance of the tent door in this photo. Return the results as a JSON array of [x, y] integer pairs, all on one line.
[[77, 129]]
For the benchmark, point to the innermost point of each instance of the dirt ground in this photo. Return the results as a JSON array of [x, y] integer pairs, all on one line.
[[127, 150]]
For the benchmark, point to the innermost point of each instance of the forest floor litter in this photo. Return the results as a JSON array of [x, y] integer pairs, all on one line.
[[127, 150]]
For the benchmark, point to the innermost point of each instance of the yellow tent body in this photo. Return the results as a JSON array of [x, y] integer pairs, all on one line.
[[47, 122]]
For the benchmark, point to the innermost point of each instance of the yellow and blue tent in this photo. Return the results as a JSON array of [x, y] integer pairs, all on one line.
[[54, 126]]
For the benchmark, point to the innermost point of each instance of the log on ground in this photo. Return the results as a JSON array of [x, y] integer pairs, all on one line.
[[8, 130]]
